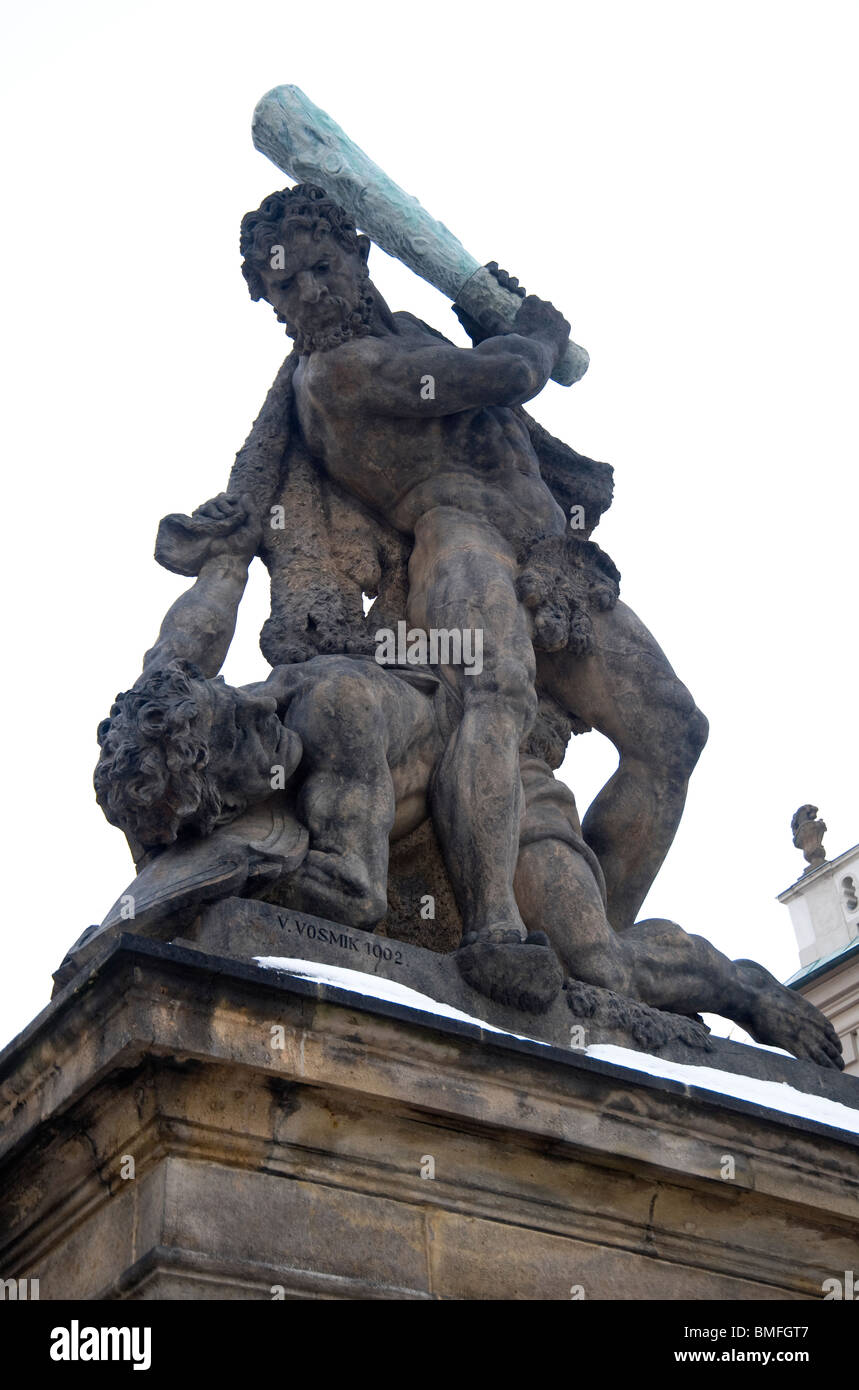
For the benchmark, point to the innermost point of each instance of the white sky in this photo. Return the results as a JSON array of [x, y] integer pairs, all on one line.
[[678, 176]]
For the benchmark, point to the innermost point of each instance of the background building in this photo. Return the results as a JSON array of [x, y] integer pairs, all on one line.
[[824, 910]]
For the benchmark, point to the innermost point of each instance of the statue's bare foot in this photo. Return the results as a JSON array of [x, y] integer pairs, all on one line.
[[524, 974], [336, 886], [782, 1018]]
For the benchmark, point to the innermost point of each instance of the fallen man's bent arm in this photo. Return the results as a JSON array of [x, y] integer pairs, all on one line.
[[200, 625]]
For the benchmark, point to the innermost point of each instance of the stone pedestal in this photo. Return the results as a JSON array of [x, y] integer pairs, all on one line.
[[180, 1125]]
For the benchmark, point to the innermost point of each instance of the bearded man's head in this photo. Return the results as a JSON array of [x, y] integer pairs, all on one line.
[[303, 254]]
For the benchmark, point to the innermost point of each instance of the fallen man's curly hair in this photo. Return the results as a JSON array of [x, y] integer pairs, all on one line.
[[152, 777]]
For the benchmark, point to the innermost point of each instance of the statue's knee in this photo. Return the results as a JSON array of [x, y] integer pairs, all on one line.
[[698, 733], [682, 729], [685, 736], [340, 707], [509, 685]]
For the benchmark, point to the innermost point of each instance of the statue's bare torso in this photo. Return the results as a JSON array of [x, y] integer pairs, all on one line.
[[478, 459]]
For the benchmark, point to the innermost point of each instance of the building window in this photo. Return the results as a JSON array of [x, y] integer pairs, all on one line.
[[849, 895]]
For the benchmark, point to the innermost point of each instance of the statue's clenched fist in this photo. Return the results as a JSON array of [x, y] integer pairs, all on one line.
[[476, 332], [537, 318], [222, 526]]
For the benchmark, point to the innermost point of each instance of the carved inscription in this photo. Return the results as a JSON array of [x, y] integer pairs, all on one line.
[[344, 940]]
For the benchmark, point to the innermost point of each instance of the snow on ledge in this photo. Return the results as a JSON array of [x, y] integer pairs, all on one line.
[[773, 1095], [378, 987]]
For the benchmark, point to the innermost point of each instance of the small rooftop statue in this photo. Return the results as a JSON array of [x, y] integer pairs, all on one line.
[[808, 836]]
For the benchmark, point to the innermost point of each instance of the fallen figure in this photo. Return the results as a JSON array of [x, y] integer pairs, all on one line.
[[293, 789]]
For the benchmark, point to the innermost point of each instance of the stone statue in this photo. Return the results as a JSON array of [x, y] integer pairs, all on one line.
[[460, 483], [390, 465], [808, 833], [295, 788]]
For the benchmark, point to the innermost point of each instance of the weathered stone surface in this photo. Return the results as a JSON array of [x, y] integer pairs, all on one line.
[[300, 1165], [243, 930], [579, 1016]]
